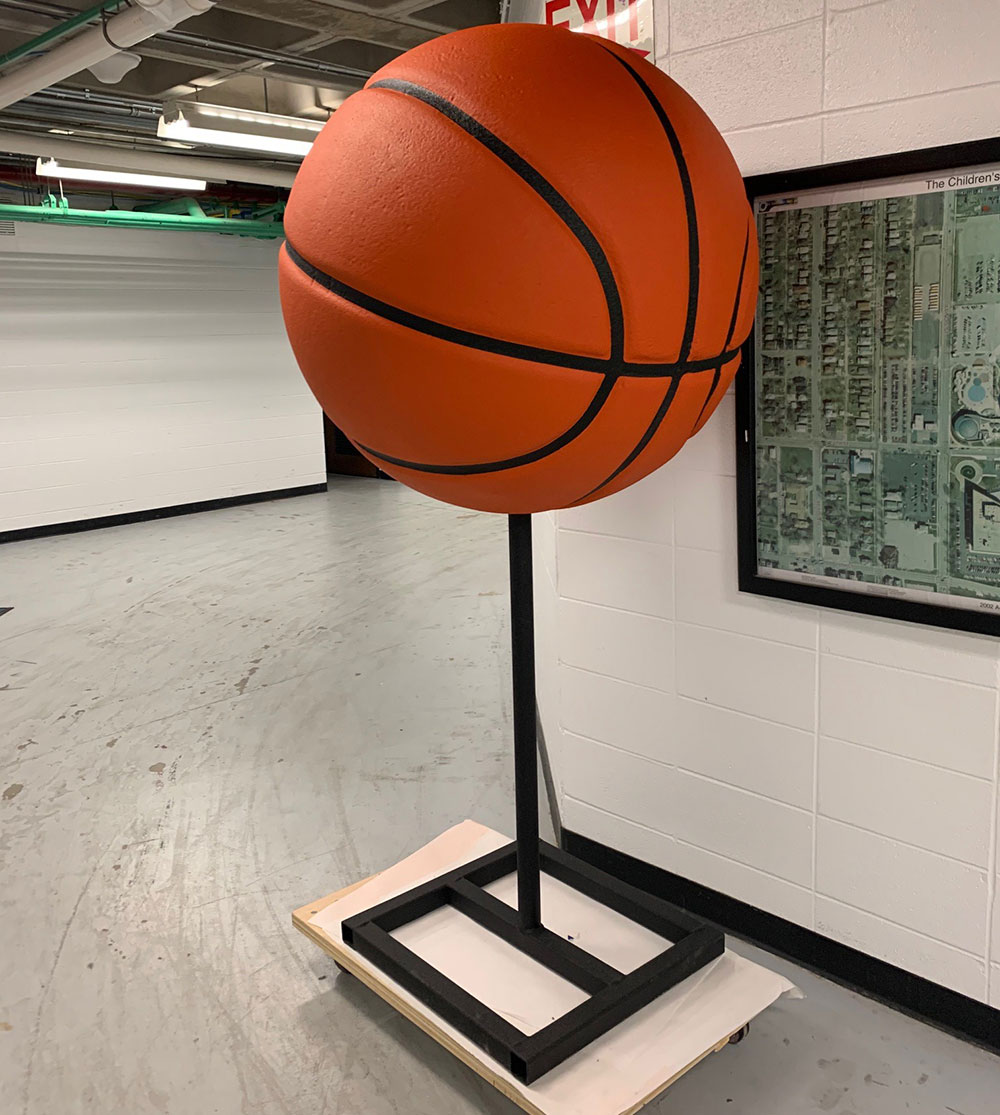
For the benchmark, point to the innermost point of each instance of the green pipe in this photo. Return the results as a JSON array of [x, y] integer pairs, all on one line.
[[46, 214], [57, 32], [182, 205], [275, 210]]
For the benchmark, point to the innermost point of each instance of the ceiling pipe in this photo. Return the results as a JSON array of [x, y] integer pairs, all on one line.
[[188, 166], [73, 120], [137, 106], [264, 54], [71, 110], [131, 26], [57, 32], [303, 62]]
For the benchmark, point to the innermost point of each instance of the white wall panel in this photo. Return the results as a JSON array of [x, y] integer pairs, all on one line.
[[741, 750], [911, 646], [918, 890], [738, 879], [72, 502], [901, 126], [617, 572], [714, 449], [627, 836], [543, 528], [705, 512], [932, 808], [635, 718], [707, 595], [750, 829], [764, 679], [775, 146], [546, 653], [909, 48], [643, 511], [961, 971], [934, 719], [695, 23], [142, 370], [720, 872], [778, 76], [906, 768], [145, 324], [620, 644], [994, 948], [620, 783]]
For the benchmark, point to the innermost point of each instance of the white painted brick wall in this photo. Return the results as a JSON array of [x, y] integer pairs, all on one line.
[[836, 770], [617, 712], [144, 369], [756, 755], [745, 674], [625, 645]]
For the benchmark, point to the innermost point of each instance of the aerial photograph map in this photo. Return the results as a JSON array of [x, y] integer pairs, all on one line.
[[877, 389]]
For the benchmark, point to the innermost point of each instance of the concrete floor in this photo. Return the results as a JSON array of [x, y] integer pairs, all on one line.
[[210, 720]]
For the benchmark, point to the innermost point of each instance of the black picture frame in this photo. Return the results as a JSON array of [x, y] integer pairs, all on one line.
[[908, 164]]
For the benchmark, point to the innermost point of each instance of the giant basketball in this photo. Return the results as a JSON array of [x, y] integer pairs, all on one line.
[[519, 267]]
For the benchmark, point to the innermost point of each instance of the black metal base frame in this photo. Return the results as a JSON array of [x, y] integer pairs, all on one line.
[[614, 996]]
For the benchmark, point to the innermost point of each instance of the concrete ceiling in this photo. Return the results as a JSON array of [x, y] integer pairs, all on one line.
[[299, 57]]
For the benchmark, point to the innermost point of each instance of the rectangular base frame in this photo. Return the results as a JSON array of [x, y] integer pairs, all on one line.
[[614, 995]]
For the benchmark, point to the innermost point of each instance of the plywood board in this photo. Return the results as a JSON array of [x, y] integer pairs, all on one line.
[[615, 1075]]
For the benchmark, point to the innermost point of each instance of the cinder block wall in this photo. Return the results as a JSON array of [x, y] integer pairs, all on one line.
[[838, 771]]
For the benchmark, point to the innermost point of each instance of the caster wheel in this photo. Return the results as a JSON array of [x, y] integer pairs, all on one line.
[[735, 1039], [341, 968]]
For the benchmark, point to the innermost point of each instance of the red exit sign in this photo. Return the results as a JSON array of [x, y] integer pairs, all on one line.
[[629, 22]]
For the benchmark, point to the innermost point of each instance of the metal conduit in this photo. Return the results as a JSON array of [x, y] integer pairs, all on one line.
[[57, 32], [187, 38], [72, 117], [83, 98], [256, 53]]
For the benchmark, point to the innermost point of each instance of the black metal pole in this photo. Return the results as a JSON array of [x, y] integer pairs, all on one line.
[[522, 645]]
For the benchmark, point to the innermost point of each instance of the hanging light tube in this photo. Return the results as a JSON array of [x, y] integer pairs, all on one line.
[[219, 126], [51, 168]]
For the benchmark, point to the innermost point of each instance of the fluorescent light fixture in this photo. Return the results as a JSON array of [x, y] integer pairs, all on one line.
[[82, 172], [220, 126]]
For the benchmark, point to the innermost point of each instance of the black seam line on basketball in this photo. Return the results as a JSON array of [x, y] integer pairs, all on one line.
[[651, 429], [732, 325], [672, 389], [482, 343], [690, 209], [585, 419], [716, 376], [541, 185]]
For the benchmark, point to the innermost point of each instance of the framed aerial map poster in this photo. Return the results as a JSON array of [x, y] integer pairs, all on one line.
[[868, 429]]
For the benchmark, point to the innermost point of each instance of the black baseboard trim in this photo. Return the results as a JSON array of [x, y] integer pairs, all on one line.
[[903, 991], [151, 513]]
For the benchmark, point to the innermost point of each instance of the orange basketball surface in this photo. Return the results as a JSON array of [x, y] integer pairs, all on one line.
[[520, 265]]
